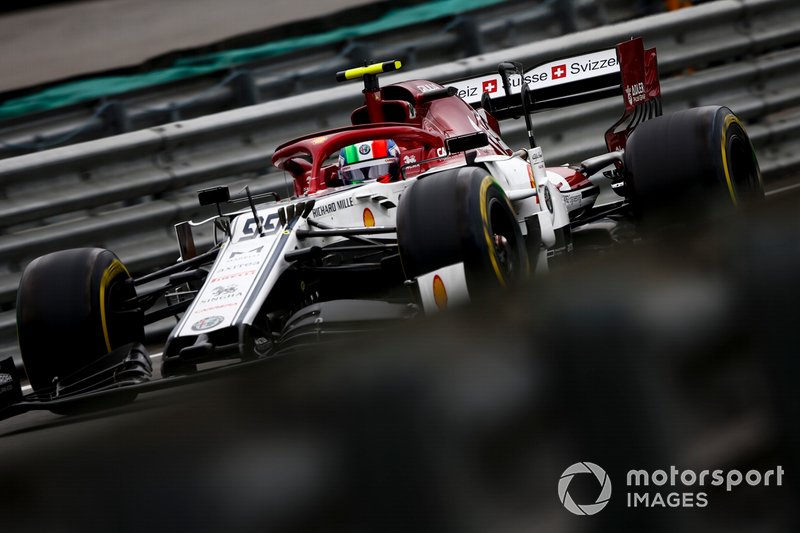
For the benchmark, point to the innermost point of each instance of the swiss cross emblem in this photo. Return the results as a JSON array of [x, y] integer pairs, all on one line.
[[559, 71], [489, 86]]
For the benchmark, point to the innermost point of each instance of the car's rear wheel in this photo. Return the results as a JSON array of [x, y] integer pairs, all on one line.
[[70, 312], [461, 215], [691, 164]]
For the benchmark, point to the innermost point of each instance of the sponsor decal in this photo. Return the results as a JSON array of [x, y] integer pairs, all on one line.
[[547, 75], [471, 90], [364, 149], [216, 307], [232, 265], [234, 275], [572, 199], [5, 378], [219, 291], [467, 93], [635, 93], [207, 323], [428, 87], [489, 86], [592, 65], [332, 207], [229, 283], [439, 293], [369, 218], [247, 253]]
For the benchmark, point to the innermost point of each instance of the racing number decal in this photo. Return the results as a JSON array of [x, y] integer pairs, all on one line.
[[269, 227]]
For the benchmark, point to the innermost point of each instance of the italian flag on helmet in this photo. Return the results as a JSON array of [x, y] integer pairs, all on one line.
[[356, 153], [378, 159]]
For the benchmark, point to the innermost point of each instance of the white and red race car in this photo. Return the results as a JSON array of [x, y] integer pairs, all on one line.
[[465, 214]]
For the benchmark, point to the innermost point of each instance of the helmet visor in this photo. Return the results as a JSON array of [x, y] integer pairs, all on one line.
[[381, 169]]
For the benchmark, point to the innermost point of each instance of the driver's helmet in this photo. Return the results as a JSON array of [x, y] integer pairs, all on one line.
[[378, 159]]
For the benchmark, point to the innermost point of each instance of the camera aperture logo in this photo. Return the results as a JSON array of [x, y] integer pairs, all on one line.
[[587, 508], [667, 488]]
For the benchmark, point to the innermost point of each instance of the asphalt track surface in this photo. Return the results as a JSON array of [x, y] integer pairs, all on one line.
[[75, 38], [679, 353]]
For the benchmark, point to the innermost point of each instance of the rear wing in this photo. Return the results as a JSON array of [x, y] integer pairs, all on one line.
[[627, 70]]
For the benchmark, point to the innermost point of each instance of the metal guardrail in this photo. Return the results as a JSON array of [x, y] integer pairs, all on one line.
[[126, 192], [425, 44]]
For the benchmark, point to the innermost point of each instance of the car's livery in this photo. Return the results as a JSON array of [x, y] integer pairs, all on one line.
[[468, 214]]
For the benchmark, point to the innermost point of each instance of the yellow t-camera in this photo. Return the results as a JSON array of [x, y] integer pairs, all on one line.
[[371, 70]]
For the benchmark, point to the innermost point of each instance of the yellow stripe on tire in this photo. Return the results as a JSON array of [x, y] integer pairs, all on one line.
[[730, 119], [485, 184], [109, 273]]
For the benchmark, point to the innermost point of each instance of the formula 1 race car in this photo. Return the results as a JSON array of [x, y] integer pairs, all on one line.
[[453, 213]]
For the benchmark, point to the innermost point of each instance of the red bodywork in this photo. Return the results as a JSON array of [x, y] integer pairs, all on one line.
[[419, 127], [573, 176], [641, 90]]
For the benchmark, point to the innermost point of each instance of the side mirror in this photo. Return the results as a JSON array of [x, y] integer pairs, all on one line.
[[214, 195], [470, 141]]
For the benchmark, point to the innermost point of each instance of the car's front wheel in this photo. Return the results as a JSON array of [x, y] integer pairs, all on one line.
[[461, 215], [73, 307]]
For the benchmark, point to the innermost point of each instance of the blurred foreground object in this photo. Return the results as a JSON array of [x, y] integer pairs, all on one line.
[[678, 354]]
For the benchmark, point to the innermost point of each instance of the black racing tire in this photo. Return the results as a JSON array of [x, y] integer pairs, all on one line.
[[458, 215], [69, 312], [696, 163]]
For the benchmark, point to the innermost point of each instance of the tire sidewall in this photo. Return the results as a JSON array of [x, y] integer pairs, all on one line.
[[693, 164], [446, 218], [66, 312], [735, 153], [481, 257]]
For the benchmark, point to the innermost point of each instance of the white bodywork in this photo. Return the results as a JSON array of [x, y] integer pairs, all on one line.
[[249, 265], [443, 288]]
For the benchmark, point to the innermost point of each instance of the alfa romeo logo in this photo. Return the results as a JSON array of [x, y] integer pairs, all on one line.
[[588, 508], [363, 149], [207, 323]]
